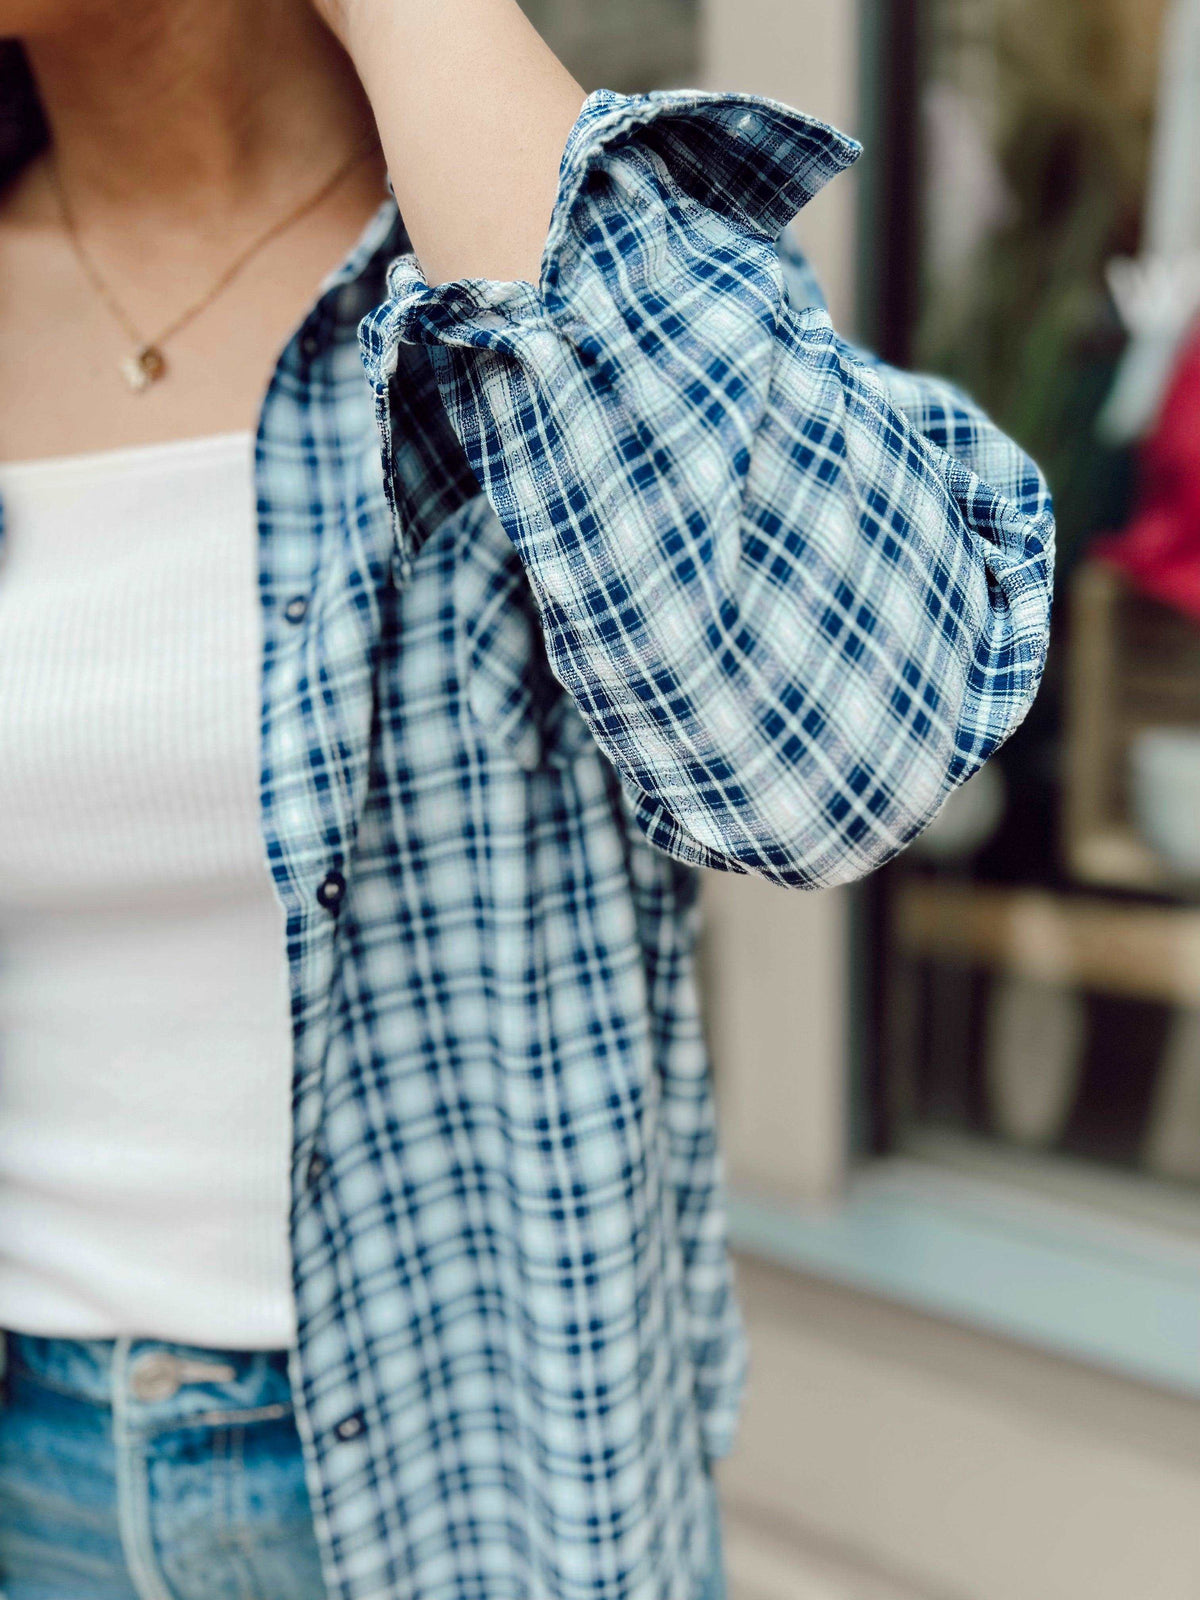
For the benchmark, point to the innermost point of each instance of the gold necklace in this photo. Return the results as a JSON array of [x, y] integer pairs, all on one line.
[[146, 363]]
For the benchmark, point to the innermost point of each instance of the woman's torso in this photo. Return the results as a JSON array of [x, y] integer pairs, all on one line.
[[494, 1024], [141, 942]]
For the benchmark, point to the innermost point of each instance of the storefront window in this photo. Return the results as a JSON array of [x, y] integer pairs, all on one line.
[[1039, 987]]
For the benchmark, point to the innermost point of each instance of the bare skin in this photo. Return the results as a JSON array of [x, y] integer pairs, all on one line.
[[473, 110], [183, 128]]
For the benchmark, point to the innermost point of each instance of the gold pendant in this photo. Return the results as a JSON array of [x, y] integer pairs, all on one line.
[[144, 367]]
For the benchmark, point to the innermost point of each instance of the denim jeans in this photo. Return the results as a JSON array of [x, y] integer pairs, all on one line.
[[143, 1470]]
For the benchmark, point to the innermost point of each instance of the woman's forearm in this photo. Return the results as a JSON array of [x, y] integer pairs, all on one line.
[[473, 110]]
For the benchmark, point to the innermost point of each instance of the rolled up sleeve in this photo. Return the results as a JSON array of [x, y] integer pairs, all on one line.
[[797, 596]]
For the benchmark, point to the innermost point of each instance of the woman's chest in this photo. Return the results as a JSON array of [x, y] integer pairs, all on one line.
[[65, 353]]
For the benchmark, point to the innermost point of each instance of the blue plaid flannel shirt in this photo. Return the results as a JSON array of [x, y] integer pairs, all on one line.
[[658, 573]]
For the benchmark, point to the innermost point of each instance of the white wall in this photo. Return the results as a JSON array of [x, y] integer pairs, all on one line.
[[775, 977], [776, 973]]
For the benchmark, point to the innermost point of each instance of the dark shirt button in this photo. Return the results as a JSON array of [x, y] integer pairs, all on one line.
[[310, 346], [296, 609], [316, 1168], [332, 888], [350, 1427]]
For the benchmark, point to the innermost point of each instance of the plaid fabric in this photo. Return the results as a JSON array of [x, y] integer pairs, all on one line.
[[732, 595], [796, 597]]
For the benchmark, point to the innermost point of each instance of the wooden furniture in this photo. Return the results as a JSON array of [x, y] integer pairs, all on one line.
[[1044, 951], [1148, 952]]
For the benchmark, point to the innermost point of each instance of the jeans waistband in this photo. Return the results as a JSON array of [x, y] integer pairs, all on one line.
[[154, 1380]]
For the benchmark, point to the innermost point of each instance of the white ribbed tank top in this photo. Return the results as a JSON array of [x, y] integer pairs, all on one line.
[[145, 1042]]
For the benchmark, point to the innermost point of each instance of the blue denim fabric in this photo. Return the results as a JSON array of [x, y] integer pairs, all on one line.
[[118, 1481], [197, 1495]]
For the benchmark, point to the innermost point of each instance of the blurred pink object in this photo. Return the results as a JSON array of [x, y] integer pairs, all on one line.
[[1159, 552]]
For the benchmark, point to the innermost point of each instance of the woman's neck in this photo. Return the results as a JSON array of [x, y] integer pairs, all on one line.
[[178, 113], [187, 137]]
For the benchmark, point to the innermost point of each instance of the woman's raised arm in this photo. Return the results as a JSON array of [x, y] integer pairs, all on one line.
[[796, 596], [473, 110]]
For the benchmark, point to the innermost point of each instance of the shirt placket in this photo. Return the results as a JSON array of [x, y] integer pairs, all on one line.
[[316, 725]]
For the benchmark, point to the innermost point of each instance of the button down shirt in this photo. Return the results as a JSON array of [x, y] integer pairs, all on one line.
[[585, 585]]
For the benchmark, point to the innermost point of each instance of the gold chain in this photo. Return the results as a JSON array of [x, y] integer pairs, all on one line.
[[147, 363]]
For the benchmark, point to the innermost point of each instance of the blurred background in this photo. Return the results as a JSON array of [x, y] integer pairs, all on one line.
[[961, 1103]]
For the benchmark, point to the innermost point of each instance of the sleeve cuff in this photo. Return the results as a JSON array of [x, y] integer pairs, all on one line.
[[752, 160], [755, 160]]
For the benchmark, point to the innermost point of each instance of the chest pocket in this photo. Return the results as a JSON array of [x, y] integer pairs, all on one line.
[[518, 705]]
